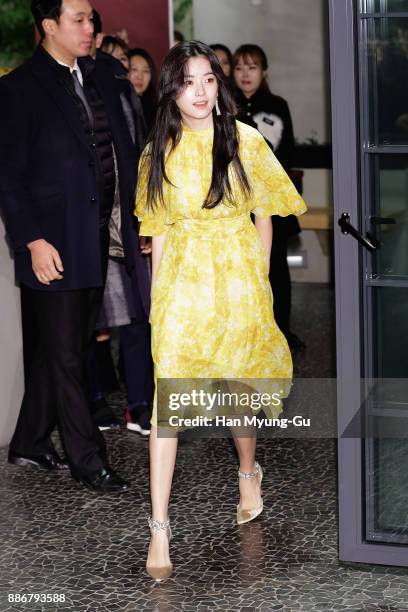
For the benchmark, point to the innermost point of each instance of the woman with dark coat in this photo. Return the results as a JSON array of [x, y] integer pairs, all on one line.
[[270, 114]]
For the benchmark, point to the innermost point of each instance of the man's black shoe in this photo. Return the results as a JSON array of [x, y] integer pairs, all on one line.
[[48, 461], [103, 481]]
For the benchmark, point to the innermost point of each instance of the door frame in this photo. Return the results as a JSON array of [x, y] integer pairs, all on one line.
[[348, 285]]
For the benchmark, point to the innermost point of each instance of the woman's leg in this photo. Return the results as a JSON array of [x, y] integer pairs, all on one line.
[[245, 443], [163, 453]]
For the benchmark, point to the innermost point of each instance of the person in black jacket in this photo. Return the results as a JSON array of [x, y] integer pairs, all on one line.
[[270, 114], [57, 185]]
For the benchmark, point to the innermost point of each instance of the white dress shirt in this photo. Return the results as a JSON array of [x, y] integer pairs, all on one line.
[[72, 69]]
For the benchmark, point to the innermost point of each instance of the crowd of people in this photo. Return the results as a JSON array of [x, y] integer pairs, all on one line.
[[87, 265]]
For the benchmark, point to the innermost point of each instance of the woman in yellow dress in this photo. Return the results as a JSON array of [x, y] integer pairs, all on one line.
[[201, 176]]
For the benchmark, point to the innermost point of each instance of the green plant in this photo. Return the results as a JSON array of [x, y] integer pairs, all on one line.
[[16, 32], [183, 17], [181, 10]]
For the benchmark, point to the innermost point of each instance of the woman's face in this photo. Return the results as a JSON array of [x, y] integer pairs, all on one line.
[[140, 74], [224, 61], [248, 75], [197, 100]]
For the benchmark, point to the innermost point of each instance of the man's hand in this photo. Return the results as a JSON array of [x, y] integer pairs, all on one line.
[[46, 262]]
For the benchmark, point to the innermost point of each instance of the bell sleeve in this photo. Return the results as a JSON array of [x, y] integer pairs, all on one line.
[[153, 222], [273, 193]]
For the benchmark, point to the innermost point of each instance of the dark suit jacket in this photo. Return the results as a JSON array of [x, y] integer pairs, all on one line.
[[48, 183]]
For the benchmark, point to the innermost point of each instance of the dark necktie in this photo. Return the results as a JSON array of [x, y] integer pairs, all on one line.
[[79, 90]]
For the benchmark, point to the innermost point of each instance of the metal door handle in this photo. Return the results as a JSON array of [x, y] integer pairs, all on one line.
[[366, 241]]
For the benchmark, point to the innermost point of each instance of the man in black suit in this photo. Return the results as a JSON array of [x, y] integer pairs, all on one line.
[[64, 144]]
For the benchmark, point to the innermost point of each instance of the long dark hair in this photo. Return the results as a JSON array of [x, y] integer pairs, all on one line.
[[168, 128], [113, 41], [150, 61], [149, 97]]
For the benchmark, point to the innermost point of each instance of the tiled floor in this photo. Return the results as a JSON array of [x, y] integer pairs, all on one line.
[[58, 539]]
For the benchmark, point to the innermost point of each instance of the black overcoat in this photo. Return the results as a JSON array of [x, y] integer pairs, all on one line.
[[48, 179]]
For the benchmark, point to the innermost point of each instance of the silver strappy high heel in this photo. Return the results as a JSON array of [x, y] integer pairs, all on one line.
[[245, 516], [159, 573]]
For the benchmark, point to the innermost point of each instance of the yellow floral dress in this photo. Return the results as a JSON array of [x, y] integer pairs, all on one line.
[[212, 305]]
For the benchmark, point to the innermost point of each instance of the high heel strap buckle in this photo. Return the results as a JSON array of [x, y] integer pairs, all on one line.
[[249, 474], [156, 525]]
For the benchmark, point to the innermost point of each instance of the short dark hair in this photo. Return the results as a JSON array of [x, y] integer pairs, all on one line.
[[45, 9], [253, 52], [97, 21], [221, 47], [115, 41]]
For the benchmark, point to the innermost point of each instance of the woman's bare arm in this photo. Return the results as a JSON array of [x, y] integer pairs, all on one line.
[[264, 227], [157, 250]]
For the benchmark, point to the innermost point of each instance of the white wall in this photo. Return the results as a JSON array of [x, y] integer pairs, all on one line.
[[11, 355], [294, 35]]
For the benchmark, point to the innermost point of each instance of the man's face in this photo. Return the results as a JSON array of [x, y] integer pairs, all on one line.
[[72, 36]]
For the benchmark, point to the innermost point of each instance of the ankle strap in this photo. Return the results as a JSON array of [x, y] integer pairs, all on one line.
[[158, 525], [249, 474]]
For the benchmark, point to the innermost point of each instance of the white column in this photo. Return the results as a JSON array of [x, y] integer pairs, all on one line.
[[11, 351]]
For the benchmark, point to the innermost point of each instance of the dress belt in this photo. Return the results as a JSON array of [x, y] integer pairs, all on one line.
[[210, 229]]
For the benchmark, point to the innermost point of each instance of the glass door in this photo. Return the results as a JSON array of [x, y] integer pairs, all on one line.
[[369, 61], [383, 63]]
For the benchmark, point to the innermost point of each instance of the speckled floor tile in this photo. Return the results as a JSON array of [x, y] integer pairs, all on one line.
[[58, 538]]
